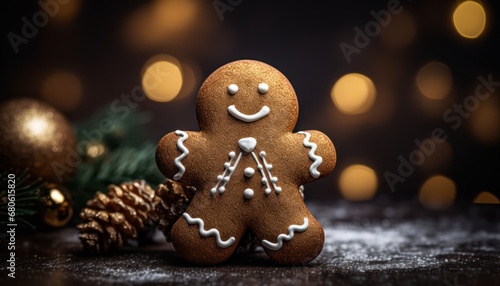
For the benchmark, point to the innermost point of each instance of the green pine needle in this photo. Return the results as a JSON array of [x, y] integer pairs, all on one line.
[[120, 165], [27, 196]]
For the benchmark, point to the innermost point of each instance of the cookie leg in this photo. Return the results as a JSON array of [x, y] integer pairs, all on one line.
[[291, 240], [201, 241]]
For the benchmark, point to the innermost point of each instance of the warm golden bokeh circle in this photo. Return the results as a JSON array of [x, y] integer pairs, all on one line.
[[434, 80], [437, 193], [358, 183], [469, 19], [441, 157], [162, 78], [486, 198], [485, 122], [62, 89], [354, 93], [401, 32]]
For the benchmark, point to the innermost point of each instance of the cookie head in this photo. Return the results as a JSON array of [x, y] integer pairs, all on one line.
[[247, 94]]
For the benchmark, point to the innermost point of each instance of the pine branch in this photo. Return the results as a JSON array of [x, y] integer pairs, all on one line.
[[124, 156], [126, 129], [122, 164], [27, 196]]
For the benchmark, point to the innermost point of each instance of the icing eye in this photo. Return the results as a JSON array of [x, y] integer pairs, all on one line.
[[232, 89], [263, 88]]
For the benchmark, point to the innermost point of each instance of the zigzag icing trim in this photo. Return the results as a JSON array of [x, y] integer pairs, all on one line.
[[287, 237], [184, 151], [317, 160], [206, 233]]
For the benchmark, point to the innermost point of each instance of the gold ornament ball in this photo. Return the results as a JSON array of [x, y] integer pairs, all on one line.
[[36, 136], [56, 207]]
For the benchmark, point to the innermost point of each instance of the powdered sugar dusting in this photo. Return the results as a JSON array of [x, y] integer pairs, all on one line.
[[363, 245]]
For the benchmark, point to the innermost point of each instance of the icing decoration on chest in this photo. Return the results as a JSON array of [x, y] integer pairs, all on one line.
[[263, 112], [248, 193], [206, 233], [247, 145], [268, 167], [249, 172], [229, 169], [317, 160], [184, 151], [286, 237]]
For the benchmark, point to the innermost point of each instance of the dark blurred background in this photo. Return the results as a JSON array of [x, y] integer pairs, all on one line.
[[394, 79]]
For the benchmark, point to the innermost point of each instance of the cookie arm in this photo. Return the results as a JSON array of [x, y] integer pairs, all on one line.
[[176, 152], [318, 155]]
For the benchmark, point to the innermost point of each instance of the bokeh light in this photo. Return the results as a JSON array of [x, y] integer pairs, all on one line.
[[191, 76], [469, 19], [434, 80], [161, 21], [95, 150], [63, 90], [37, 126], [401, 32], [57, 196], [486, 198], [358, 183], [485, 121], [67, 11], [162, 78], [353, 93], [437, 193], [440, 158], [174, 15]]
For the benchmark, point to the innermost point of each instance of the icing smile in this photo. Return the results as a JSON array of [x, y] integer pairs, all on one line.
[[263, 112]]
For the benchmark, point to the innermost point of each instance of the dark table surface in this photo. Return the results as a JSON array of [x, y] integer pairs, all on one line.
[[366, 244]]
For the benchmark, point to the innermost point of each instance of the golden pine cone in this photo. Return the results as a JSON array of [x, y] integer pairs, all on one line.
[[111, 220], [172, 200]]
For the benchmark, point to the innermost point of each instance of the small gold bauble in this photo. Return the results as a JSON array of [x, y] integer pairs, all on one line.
[[36, 136], [56, 207]]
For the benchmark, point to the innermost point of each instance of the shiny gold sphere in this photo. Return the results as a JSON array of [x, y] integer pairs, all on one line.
[[56, 208], [36, 136]]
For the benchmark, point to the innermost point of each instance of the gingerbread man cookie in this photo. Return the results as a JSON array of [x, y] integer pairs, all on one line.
[[247, 165]]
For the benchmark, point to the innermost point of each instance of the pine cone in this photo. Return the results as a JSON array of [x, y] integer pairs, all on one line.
[[111, 220], [172, 200]]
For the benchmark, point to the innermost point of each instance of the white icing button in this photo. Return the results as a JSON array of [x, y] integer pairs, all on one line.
[[232, 89], [222, 190], [249, 172], [267, 191], [263, 88], [248, 193]]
